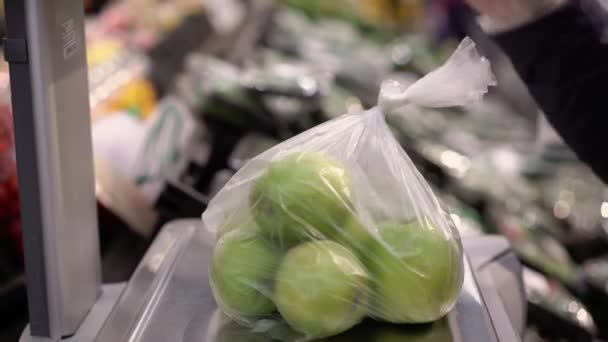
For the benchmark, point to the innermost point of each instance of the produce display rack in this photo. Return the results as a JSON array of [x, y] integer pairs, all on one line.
[[167, 298]]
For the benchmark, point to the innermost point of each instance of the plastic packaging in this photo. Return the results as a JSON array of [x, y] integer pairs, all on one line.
[[336, 224]]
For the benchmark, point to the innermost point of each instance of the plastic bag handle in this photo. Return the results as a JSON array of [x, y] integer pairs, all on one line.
[[463, 79]]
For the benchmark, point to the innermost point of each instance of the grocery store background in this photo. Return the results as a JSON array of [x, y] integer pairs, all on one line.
[[184, 92]]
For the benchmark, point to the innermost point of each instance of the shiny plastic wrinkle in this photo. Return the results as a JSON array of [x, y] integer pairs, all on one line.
[[336, 224]]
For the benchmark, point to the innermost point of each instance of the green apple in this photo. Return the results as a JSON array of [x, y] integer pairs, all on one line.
[[303, 196], [416, 272], [241, 274], [356, 236], [321, 289]]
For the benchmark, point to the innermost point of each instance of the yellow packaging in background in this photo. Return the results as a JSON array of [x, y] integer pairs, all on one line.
[[138, 97], [398, 14], [382, 14]]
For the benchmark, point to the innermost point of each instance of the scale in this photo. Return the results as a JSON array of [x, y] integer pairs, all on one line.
[[168, 296]]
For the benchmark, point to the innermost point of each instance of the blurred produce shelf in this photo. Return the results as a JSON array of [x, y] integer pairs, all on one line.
[[182, 97]]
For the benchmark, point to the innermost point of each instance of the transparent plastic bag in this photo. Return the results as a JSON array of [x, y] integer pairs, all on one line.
[[336, 224]]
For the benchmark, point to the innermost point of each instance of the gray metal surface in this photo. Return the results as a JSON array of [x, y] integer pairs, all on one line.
[[469, 319], [97, 315], [55, 165], [31, 218], [499, 273], [168, 297], [168, 289]]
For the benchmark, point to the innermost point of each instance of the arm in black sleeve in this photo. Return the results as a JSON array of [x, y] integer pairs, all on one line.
[[562, 60]]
